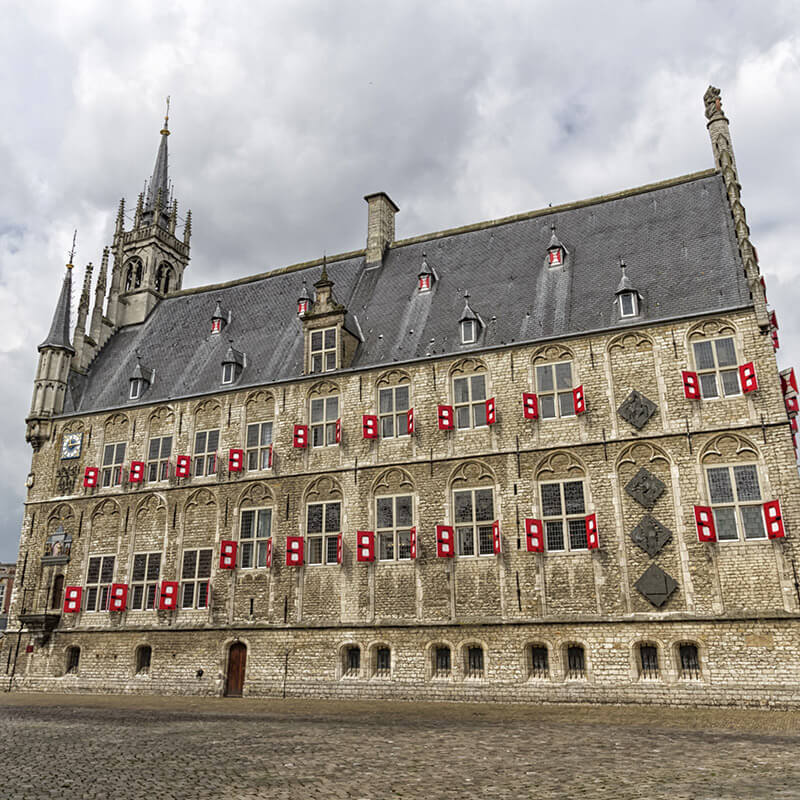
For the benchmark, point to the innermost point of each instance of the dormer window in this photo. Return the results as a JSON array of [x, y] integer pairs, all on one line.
[[136, 388], [424, 283], [303, 304], [219, 320], [426, 276], [227, 373], [469, 331], [140, 379], [323, 350], [556, 252], [232, 365], [628, 304]]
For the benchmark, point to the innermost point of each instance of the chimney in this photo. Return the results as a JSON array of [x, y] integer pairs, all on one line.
[[380, 226]]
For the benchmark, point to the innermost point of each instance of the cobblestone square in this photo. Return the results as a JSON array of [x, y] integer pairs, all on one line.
[[152, 747]]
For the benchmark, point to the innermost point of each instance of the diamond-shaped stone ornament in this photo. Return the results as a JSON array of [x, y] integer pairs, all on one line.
[[637, 409], [650, 535], [645, 488], [656, 585]]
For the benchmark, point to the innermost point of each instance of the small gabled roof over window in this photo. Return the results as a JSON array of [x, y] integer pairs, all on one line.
[[140, 379], [232, 364], [470, 323], [556, 252], [219, 319], [427, 276], [629, 300]]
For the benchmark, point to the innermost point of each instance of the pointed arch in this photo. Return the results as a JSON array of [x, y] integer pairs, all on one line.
[[718, 326], [257, 494], [322, 388], [115, 428], [472, 473], [323, 488], [641, 453], [200, 498], [259, 405], [728, 447], [392, 377], [393, 480], [107, 508], [62, 514], [151, 504], [161, 418], [551, 352], [631, 340], [466, 366], [559, 464]]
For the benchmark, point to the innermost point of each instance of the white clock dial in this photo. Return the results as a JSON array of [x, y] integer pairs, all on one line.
[[71, 446]]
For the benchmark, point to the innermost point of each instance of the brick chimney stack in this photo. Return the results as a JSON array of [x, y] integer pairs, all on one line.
[[380, 226]]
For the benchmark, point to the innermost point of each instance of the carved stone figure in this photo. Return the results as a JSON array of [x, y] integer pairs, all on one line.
[[645, 488], [637, 409], [650, 535], [713, 102]]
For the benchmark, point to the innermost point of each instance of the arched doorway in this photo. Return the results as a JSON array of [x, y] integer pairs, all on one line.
[[237, 660]]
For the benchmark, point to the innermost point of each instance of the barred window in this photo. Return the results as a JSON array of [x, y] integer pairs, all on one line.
[[395, 518], [469, 395], [73, 660], [158, 458], [554, 389], [324, 413], [99, 577], [144, 580], [259, 439], [205, 452], [689, 661], [717, 370], [255, 532], [736, 502], [393, 405], [323, 350], [441, 662], [576, 662], [383, 662], [113, 458], [474, 515], [323, 526], [648, 661], [474, 665], [195, 574], [564, 510], [539, 663], [351, 668]]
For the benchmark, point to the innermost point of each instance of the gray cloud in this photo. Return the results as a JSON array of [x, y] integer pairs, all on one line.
[[285, 115]]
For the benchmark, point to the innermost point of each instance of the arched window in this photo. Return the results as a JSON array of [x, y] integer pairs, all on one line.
[[648, 661], [56, 592], [688, 661], [144, 654], [441, 662], [73, 660], [473, 661], [576, 662], [351, 661], [382, 661], [538, 661], [164, 278], [133, 275]]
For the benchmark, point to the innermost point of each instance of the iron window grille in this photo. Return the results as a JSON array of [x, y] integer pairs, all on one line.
[[205, 452], [113, 458], [324, 413], [554, 387], [383, 662], [469, 395], [195, 574], [474, 514], [255, 532], [576, 662], [395, 518], [441, 662], [323, 350], [352, 662], [144, 580], [99, 577], [539, 661], [144, 655], [323, 526], [564, 509], [158, 458], [73, 660], [393, 405], [474, 665], [648, 661], [736, 502], [716, 365], [689, 661], [259, 440]]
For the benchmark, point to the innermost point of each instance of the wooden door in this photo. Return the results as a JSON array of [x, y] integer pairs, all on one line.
[[237, 660]]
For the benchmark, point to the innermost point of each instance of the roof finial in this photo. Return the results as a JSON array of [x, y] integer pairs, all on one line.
[[324, 275], [622, 264], [165, 129], [72, 252]]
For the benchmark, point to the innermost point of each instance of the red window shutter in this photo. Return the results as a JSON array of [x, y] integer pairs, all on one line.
[[90, 476], [300, 436], [691, 385], [119, 597], [579, 400], [227, 554], [704, 519], [792, 405], [136, 474], [268, 561], [773, 320], [338, 430], [788, 380], [534, 535], [72, 599], [747, 375], [410, 420], [413, 543], [774, 519], [491, 411], [497, 539], [592, 541], [183, 466], [554, 257], [369, 426], [530, 405], [775, 343], [235, 460], [446, 418], [339, 548], [269, 458], [365, 546], [793, 424], [445, 541], [294, 551], [168, 596]]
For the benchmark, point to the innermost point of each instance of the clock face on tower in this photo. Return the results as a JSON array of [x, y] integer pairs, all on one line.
[[71, 446]]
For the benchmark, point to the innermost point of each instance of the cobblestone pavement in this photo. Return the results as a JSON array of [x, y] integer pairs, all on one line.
[[131, 747]]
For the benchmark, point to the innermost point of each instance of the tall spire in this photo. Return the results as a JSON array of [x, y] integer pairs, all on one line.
[[158, 187], [59, 335]]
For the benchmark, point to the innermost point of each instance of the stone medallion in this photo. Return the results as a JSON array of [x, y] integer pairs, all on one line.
[[637, 409], [645, 488], [656, 585], [650, 535]]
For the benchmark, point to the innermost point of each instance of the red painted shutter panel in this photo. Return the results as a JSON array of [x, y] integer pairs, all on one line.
[[369, 426], [183, 466], [413, 543], [534, 535], [227, 554], [338, 430], [747, 375], [530, 405], [300, 436], [445, 541], [592, 540], [497, 539], [793, 424], [491, 411], [136, 473], [410, 420], [72, 599], [339, 548], [579, 400], [90, 476], [365, 546], [704, 519], [792, 406], [119, 597], [775, 342], [269, 458], [168, 596], [773, 320], [294, 551], [445, 418], [774, 519], [268, 560], [691, 385], [235, 460], [788, 380]]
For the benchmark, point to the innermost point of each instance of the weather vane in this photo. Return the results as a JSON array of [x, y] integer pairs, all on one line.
[[72, 252]]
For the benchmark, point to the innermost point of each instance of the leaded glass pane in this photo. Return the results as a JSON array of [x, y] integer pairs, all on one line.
[[485, 540], [703, 355], [462, 502], [544, 379], [332, 549], [404, 511], [385, 512], [479, 413], [566, 404], [555, 534], [730, 382], [200, 442], [551, 499], [564, 375], [247, 525], [401, 398], [386, 546], [577, 534], [139, 565], [753, 522], [316, 340], [725, 522], [252, 435], [404, 544], [93, 573], [466, 544], [153, 566], [204, 564], [385, 400], [462, 417], [155, 445], [573, 497], [332, 517], [315, 550], [726, 352], [331, 408], [747, 488], [484, 505], [317, 409], [478, 387], [719, 485], [547, 406]]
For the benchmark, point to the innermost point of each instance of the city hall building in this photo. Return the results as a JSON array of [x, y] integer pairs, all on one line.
[[547, 457]]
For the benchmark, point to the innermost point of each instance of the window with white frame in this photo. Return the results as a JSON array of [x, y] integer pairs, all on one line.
[[144, 580], [323, 350], [158, 458], [473, 512], [136, 388], [113, 459], [259, 440], [195, 574], [228, 372], [564, 515], [324, 413], [554, 389], [395, 518], [205, 452], [255, 532], [469, 401], [628, 304], [323, 526], [469, 331], [393, 405], [99, 577], [736, 501], [716, 365]]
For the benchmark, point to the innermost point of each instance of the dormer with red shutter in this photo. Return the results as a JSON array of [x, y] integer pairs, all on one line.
[[426, 277], [219, 319], [556, 252], [304, 301]]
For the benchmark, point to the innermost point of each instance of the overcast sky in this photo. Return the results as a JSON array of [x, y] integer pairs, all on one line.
[[284, 115]]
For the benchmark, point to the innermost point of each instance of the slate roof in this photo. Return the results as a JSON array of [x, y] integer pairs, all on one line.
[[59, 335], [676, 238]]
